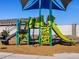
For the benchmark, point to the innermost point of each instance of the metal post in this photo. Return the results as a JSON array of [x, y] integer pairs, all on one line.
[[50, 13], [39, 20], [17, 39]]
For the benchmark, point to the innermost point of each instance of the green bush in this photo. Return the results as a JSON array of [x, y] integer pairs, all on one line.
[[5, 33]]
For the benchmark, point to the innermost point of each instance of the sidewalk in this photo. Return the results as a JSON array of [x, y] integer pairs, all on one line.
[[56, 56]]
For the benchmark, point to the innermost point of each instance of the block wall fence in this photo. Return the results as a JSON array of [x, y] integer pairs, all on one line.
[[65, 29]]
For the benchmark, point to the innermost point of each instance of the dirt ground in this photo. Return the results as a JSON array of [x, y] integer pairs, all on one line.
[[38, 50]]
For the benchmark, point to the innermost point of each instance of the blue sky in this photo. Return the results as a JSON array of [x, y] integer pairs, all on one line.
[[12, 9]]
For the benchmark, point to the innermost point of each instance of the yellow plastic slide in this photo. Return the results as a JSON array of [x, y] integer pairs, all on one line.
[[57, 31]]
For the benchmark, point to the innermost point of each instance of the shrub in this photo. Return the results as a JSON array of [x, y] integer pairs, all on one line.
[[5, 33]]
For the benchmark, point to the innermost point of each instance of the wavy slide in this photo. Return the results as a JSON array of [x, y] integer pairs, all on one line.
[[63, 38]]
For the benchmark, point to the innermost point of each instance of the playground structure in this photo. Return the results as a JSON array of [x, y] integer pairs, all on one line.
[[44, 33], [22, 28], [45, 29]]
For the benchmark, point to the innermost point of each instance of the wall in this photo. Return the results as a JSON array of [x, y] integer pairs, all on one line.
[[11, 29], [77, 30], [65, 29]]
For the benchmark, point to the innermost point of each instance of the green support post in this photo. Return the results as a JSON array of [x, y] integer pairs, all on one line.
[[39, 20], [50, 13], [17, 25]]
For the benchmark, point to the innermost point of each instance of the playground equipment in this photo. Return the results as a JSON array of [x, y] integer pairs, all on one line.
[[22, 30], [45, 32], [45, 29], [63, 38], [24, 27]]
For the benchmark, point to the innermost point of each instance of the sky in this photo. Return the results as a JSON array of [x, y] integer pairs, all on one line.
[[11, 9]]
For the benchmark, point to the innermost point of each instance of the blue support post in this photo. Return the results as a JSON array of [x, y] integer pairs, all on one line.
[[39, 20], [50, 13], [17, 25]]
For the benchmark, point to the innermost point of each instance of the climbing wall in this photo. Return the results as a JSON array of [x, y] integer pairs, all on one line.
[[45, 35]]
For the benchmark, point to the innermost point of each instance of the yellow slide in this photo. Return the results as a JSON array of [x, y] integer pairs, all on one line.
[[57, 31]]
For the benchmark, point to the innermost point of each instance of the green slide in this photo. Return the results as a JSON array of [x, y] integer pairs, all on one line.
[[57, 31]]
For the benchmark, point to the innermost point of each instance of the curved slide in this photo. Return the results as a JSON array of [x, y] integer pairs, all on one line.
[[6, 40], [63, 38], [10, 36]]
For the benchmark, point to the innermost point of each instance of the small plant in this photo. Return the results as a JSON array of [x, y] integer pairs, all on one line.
[[5, 33]]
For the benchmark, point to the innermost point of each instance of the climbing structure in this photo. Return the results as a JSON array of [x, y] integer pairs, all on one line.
[[22, 31], [45, 35]]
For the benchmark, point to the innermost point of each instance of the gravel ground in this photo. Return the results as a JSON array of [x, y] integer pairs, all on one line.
[[38, 50]]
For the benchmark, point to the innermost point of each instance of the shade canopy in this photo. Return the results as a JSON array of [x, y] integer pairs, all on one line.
[[65, 3], [34, 4]]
